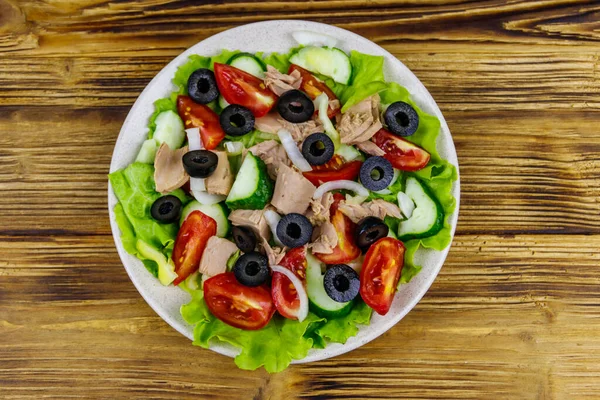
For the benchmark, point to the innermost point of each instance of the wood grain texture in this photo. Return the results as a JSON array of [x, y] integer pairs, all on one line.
[[515, 312]]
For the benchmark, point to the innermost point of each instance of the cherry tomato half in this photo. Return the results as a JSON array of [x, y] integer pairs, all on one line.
[[346, 249], [190, 243], [313, 87], [335, 169], [196, 115], [237, 305], [380, 273], [284, 294], [239, 87], [403, 155]]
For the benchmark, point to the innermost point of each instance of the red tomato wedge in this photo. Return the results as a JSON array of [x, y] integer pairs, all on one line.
[[284, 294], [346, 249], [313, 87], [403, 155], [239, 87], [335, 169], [190, 243], [196, 115], [380, 273], [237, 305]]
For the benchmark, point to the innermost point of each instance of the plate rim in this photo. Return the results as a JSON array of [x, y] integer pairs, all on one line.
[[315, 354]]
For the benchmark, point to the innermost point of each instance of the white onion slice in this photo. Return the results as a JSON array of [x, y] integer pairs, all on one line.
[[302, 296], [322, 102], [207, 198], [406, 205], [194, 139], [394, 179], [234, 148], [292, 150], [356, 199], [341, 184], [197, 184], [314, 39], [273, 220], [195, 143]]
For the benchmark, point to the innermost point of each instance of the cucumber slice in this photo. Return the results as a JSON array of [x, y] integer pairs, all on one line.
[[349, 153], [169, 129], [166, 269], [147, 152], [319, 301], [329, 61], [427, 218], [222, 102], [252, 188], [248, 63], [218, 212]]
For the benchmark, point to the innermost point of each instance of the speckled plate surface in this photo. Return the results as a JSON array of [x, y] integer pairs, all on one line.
[[274, 36]]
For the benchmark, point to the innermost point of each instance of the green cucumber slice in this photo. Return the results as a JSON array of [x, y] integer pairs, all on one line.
[[169, 129], [319, 301], [252, 188], [218, 212], [428, 217], [328, 61], [248, 63], [166, 269], [147, 152]]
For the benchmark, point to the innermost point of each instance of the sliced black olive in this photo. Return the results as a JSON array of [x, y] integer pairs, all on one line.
[[370, 230], [376, 173], [236, 120], [317, 149], [294, 230], [244, 238], [341, 283], [252, 269], [401, 119], [202, 86], [294, 106], [200, 163], [166, 209]]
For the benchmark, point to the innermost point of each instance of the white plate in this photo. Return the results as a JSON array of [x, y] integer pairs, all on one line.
[[274, 36]]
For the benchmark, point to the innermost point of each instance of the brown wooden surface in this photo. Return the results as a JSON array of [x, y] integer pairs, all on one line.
[[515, 312]]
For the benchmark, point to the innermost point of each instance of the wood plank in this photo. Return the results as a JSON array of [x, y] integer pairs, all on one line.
[[497, 322]]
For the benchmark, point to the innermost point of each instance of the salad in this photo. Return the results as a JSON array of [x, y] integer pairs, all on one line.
[[288, 194]]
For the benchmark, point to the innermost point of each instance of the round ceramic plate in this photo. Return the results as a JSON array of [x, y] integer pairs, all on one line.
[[274, 36]]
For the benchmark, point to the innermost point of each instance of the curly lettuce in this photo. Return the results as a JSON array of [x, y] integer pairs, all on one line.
[[273, 347]]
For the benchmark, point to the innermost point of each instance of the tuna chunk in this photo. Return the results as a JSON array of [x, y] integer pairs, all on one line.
[[293, 191], [324, 239], [215, 256], [168, 169], [280, 83], [254, 219], [370, 148], [360, 122], [272, 123], [318, 212], [274, 254], [273, 154], [377, 208], [221, 180]]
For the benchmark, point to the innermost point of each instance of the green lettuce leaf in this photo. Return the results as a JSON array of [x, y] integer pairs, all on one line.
[[134, 188], [273, 347], [281, 61], [339, 330]]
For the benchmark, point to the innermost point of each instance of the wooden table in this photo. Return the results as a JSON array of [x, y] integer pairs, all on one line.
[[515, 312]]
